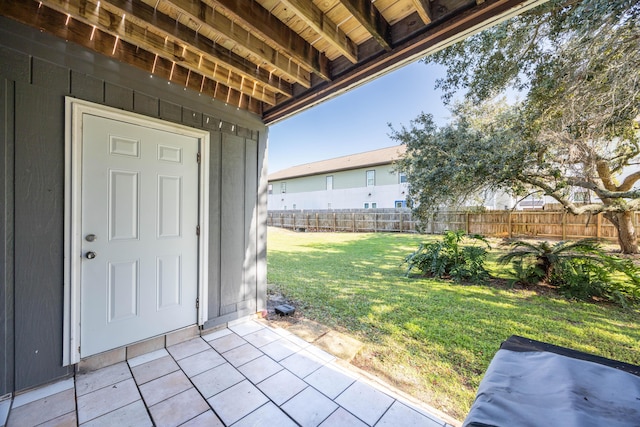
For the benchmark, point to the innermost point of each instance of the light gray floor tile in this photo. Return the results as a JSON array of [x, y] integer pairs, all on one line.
[[134, 414], [206, 419], [147, 357], [154, 369], [280, 349], [107, 399], [321, 354], [266, 415], [198, 363], [187, 348], [217, 334], [244, 328], [282, 386], [215, 380], [164, 387], [309, 407], [5, 405], [298, 341], [365, 402], [227, 343], [92, 381], [42, 392], [302, 363], [66, 420], [260, 369], [400, 414], [43, 410], [342, 418], [179, 408], [330, 380], [241, 355], [262, 337], [237, 402]]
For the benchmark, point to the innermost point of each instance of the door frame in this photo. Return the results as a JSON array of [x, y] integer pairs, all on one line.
[[74, 111]]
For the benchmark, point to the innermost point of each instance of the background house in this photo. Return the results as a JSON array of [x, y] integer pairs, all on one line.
[[358, 181]]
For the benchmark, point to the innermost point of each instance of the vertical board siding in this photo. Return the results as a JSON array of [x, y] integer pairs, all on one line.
[[6, 236], [232, 207], [39, 237], [36, 72], [215, 207], [250, 218]]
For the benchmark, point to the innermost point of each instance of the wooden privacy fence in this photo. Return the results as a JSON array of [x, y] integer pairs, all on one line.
[[542, 224]]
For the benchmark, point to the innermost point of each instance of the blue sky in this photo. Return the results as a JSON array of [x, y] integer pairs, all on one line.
[[356, 121]]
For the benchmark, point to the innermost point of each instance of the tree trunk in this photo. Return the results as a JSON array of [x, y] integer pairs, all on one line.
[[627, 238]]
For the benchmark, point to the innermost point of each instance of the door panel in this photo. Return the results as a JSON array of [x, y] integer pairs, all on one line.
[[140, 201]]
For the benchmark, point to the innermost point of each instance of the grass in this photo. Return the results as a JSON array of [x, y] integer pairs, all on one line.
[[433, 339]]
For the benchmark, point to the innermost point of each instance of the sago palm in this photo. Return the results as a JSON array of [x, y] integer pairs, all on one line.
[[545, 257]]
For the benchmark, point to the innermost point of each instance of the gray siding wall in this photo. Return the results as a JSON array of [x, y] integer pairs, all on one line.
[[36, 72]]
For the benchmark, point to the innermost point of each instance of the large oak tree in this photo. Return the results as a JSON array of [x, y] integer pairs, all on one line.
[[576, 130]]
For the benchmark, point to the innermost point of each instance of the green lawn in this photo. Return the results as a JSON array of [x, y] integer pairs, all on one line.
[[431, 338]]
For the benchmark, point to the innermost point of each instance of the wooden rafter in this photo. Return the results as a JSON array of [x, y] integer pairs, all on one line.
[[371, 19], [320, 23], [250, 15], [205, 15], [423, 7], [117, 22], [78, 32]]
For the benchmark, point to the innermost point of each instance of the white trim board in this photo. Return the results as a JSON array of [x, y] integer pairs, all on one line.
[[74, 111]]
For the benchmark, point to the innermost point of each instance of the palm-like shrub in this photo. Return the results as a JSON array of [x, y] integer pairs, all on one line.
[[451, 258], [580, 270], [539, 260]]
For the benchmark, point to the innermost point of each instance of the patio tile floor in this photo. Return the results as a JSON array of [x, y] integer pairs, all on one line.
[[246, 375]]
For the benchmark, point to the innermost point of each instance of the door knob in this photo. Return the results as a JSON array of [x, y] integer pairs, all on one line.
[[90, 255]]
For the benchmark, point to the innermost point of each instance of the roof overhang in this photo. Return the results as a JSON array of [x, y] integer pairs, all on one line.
[[274, 58]]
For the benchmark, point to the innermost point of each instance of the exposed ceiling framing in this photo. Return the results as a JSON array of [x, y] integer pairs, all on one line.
[[271, 57]]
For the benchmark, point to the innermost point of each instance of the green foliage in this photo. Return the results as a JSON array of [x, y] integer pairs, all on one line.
[[449, 257], [580, 270], [576, 64]]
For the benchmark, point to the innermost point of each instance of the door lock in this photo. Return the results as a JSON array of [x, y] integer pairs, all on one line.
[[90, 255], [91, 238]]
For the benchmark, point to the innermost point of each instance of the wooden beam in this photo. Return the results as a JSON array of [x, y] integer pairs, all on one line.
[[145, 16], [260, 21], [78, 32], [423, 7], [203, 14], [321, 24], [112, 22], [371, 19], [410, 49]]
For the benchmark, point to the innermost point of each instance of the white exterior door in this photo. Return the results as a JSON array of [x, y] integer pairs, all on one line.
[[139, 213]]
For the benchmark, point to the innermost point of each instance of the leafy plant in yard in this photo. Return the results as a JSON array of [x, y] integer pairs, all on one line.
[[580, 270], [545, 257], [450, 258]]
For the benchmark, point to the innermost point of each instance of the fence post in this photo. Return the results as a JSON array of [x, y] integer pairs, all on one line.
[[334, 222], [353, 221], [281, 219], [375, 222], [401, 219], [467, 223], [294, 221], [564, 228], [317, 222], [510, 225], [307, 221], [599, 225]]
